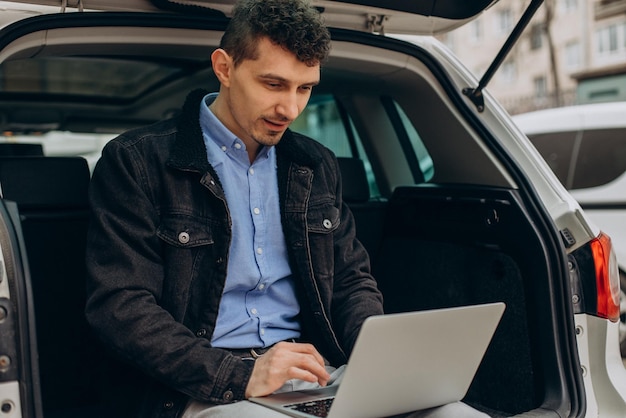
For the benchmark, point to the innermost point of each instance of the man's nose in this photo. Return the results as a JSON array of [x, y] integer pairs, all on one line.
[[289, 106]]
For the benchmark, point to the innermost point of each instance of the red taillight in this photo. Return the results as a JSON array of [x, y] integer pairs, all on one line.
[[607, 277]]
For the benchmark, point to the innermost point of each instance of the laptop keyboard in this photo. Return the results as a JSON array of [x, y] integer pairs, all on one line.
[[317, 408]]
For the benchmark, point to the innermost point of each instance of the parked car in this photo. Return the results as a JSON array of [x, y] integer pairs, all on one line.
[[452, 201], [585, 146]]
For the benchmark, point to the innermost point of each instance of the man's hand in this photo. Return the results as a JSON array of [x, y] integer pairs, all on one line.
[[283, 362]]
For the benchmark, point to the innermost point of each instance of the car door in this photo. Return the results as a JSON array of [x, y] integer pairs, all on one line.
[[19, 372]]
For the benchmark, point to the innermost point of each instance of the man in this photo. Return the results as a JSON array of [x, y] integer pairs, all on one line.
[[222, 261]]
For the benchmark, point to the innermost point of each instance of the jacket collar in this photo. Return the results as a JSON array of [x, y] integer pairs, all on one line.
[[189, 153]]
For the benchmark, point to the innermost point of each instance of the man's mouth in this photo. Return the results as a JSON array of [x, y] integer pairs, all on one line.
[[276, 125]]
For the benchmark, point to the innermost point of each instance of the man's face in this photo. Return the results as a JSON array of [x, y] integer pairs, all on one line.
[[263, 96]]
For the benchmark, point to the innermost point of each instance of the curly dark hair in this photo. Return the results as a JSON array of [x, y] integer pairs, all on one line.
[[293, 24]]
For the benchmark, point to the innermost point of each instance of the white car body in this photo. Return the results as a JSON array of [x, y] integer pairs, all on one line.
[[581, 120]]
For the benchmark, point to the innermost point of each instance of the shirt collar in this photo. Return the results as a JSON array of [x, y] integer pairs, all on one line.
[[215, 131]]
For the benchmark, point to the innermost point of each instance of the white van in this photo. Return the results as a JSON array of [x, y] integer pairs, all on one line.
[[585, 146]]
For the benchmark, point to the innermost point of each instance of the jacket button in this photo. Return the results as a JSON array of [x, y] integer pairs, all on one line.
[[327, 223], [228, 396], [201, 332], [183, 237], [168, 404]]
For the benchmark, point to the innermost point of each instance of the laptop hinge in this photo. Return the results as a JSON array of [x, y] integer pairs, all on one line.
[[476, 94]]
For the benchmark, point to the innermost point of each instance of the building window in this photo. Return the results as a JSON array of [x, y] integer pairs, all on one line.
[[606, 39], [541, 87], [536, 36], [573, 55], [504, 21]]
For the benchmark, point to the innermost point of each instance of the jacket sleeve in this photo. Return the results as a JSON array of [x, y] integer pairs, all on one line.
[[125, 284]]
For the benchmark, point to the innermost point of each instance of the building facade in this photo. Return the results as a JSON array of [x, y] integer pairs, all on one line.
[[571, 52]]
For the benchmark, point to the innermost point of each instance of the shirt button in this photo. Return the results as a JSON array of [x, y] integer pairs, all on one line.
[[224, 148], [237, 145], [327, 223], [228, 396], [259, 250], [262, 286], [251, 170], [201, 332], [254, 311], [256, 211], [183, 237]]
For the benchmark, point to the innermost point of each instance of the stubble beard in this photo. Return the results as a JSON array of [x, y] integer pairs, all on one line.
[[269, 137]]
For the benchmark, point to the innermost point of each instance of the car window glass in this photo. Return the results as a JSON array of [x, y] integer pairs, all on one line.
[[602, 157], [323, 121], [425, 161], [556, 148], [71, 76]]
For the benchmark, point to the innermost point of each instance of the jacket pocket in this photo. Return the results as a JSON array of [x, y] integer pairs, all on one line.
[[322, 222], [187, 252], [323, 219], [185, 231]]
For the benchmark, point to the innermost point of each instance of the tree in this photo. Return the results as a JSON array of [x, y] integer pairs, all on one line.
[[549, 7]]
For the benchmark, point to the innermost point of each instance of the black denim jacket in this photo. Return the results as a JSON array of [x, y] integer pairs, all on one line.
[[157, 251]]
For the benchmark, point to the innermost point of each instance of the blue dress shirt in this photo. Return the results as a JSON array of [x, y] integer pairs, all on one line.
[[259, 305]]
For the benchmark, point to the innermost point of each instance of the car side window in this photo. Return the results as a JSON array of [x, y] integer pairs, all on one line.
[[602, 157], [424, 160], [324, 121]]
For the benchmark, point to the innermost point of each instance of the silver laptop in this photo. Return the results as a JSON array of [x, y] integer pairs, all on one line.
[[402, 363]]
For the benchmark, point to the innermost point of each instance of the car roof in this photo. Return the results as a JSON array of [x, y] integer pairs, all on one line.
[[424, 17], [572, 118]]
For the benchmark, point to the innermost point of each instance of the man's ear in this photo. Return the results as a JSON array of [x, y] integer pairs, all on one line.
[[222, 64]]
